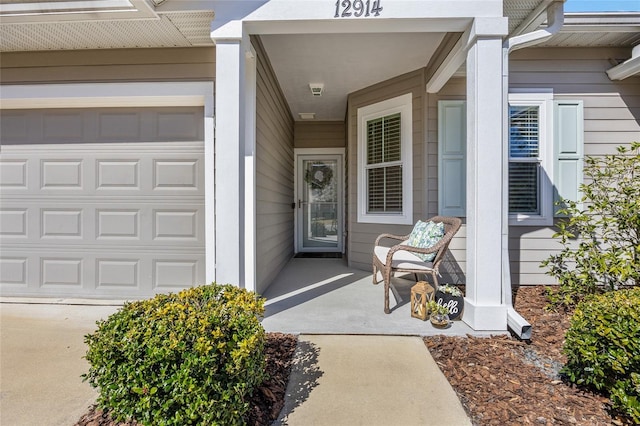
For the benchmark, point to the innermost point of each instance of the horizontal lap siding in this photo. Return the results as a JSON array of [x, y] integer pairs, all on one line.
[[611, 118], [173, 64], [323, 134], [361, 236], [274, 175]]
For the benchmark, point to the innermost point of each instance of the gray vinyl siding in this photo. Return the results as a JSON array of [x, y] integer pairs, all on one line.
[[274, 175], [174, 64], [319, 134], [361, 236], [611, 118]]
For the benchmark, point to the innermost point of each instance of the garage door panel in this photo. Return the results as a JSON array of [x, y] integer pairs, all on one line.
[[123, 169], [13, 271], [117, 219], [171, 272], [13, 223], [132, 221], [75, 273], [118, 224], [118, 273], [176, 174], [101, 125], [13, 174], [115, 174]]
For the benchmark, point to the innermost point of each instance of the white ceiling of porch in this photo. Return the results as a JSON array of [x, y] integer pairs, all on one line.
[[342, 62]]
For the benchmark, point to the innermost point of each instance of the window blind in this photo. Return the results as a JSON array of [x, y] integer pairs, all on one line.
[[524, 161], [383, 140], [384, 174], [523, 188], [524, 134]]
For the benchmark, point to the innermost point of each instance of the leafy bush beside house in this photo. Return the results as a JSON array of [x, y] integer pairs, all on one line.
[[606, 225], [180, 359], [602, 347]]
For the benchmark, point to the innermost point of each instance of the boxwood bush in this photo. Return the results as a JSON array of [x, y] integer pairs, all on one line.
[[179, 359], [602, 347]]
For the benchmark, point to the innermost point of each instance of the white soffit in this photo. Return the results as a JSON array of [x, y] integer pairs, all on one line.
[[172, 29], [519, 10], [344, 63], [598, 30]]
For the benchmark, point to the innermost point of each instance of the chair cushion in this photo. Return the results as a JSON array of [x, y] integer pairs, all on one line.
[[425, 235], [402, 259]]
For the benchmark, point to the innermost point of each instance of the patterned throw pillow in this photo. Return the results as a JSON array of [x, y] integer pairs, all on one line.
[[424, 235]]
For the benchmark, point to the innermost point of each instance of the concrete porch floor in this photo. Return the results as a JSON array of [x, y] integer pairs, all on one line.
[[325, 296]]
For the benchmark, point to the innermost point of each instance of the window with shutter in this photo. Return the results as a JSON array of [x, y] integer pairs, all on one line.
[[384, 162], [530, 159], [545, 156]]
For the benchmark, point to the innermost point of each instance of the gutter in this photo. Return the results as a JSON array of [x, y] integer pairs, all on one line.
[[555, 18], [628, 68]]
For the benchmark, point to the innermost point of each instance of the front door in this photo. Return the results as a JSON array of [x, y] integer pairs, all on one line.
[[319, 210]]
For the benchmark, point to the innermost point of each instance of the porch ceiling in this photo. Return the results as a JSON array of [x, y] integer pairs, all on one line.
[[344, 63]]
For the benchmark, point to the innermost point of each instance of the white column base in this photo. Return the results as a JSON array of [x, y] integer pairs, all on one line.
[[483, 317]]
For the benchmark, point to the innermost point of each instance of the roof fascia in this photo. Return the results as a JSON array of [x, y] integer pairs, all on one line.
[[75, 10]]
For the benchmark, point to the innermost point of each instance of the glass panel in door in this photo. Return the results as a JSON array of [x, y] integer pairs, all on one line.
[[318, 205]]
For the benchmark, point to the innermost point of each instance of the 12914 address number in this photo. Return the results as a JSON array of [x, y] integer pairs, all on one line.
[[357, 8]]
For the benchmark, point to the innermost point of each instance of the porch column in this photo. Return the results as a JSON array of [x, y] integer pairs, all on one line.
[[484, 309], [229, 140]]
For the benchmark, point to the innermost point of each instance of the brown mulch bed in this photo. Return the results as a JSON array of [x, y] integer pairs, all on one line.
[[266, 402], [501, 380]]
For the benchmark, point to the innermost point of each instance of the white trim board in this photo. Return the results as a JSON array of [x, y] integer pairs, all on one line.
[[88, 95]]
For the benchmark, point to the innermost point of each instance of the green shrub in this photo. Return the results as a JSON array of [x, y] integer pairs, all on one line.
[[179, 359], [602, 347], [601, 235]]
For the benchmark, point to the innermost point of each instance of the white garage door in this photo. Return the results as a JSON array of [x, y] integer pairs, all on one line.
[[101, 202]]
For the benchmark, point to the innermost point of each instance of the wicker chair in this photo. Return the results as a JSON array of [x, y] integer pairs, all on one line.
[[401, 257]]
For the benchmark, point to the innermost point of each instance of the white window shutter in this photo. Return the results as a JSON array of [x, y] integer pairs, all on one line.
[[452, 158], [569, 151]]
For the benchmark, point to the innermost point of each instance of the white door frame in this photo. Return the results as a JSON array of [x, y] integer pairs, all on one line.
[[340, 152]]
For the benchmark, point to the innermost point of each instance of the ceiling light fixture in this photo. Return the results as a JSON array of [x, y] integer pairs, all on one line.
[[316, 89], [307, 115]]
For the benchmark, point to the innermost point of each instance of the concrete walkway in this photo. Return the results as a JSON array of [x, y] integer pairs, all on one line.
[[41, 360], [368, 380], [337, 379]]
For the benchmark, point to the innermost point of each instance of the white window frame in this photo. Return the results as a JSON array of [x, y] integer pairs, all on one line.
[[544, 100], [403, 105]]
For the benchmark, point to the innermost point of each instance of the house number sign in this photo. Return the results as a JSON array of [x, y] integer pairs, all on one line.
[[357, 8]]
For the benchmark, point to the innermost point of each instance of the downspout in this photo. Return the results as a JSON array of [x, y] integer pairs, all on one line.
[[555, 20]]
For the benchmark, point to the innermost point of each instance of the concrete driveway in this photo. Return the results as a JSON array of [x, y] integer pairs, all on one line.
[[41, 360]]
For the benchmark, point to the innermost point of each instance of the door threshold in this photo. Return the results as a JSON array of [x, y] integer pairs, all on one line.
[[318, 255]]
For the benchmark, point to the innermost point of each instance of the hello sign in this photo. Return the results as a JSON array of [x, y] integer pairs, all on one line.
[[455, 304]]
